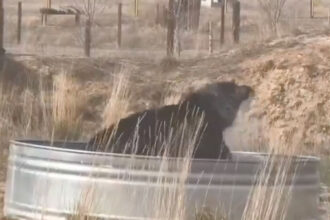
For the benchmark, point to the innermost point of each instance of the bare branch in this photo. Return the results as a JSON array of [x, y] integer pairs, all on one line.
[[272, 10]]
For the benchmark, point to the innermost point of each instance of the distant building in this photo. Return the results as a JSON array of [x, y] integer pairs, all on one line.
[[211, 3]]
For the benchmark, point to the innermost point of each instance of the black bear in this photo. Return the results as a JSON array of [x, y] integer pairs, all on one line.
[[150, 132]]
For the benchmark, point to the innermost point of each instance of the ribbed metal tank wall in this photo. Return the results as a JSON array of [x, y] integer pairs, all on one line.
[[55, 180]]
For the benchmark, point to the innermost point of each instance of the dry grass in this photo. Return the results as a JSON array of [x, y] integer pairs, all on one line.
[[67, 105], [169, 200], [270, 197], [61, 109], [45, 112], [204, 213], [84, 206], [264, 202], [119, 100]]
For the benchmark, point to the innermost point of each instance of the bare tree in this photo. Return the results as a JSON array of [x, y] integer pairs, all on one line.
[[272, 10], [186, 14], [89, 8], [170, 28], [180, 22]]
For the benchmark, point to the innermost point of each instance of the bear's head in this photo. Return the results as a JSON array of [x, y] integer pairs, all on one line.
[[221, 98]]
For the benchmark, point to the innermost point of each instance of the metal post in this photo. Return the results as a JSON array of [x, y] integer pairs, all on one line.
[[19, 22], [119, 24], [210, 38]]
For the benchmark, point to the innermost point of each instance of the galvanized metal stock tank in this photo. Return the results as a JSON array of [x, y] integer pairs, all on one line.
[[54, 180]]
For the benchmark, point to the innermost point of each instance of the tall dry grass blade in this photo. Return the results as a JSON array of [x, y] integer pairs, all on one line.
[[119, 99], [170, 198], [171, 97], [84, 206], [270, 197], [67, 105]]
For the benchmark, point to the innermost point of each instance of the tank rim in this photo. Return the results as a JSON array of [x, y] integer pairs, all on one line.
[[33, 143]]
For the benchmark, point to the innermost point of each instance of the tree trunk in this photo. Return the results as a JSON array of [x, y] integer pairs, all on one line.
[[88, 37], [170, 28]]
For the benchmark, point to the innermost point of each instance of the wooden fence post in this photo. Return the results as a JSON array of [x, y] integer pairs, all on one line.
[[119, 24], [2, 50], [157, 14], [136, 8], [48, 5], [311, 8], [226, 5], [222, 30], [236, 20], [88, 38], [198, 13], [170, 28], [77, 18], [19, 22], [164, 16], [193, 14], [210, 37]]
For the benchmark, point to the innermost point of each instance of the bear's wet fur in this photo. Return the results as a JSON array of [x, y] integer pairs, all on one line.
[[148, 132]]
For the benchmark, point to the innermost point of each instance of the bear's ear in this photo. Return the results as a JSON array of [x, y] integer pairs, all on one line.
[[211, 89], [201, 99], [192, 98], [243, 91], [232, 81]]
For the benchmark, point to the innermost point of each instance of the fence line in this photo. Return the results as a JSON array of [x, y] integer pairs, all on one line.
[[165, 16]]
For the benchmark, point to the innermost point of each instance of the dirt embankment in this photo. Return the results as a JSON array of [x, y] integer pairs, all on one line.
[[293, 87], [290, 76]]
